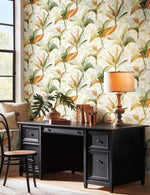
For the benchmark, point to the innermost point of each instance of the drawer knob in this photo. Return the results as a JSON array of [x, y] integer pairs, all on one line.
[[100, 141], [78, 132], [31, 134], [100, 161]]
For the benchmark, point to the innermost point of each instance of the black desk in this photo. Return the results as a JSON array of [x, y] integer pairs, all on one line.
[[107, 155]]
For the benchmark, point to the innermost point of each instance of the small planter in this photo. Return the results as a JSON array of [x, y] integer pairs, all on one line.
[[53, 115]]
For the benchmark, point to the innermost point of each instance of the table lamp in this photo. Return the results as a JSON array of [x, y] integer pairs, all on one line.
[[120, 81]]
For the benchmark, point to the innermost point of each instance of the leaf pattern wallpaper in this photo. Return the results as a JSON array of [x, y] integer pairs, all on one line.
[[69, 44]]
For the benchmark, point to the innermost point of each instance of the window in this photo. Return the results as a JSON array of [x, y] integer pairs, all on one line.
[[7, 50]]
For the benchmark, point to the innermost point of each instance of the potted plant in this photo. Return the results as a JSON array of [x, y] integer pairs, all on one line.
[[42, 105]]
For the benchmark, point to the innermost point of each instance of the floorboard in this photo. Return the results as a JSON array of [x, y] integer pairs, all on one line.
[[75, 181]]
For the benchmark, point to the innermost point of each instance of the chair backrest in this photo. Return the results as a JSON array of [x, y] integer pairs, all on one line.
[[5, 124]]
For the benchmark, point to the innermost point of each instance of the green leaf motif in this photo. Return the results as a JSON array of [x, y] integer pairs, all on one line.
[[52, 5], [87, 66], [88, 21], [128, 40], [52, 47]]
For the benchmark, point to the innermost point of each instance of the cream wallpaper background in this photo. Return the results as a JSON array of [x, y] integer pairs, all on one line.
[[69, 44]]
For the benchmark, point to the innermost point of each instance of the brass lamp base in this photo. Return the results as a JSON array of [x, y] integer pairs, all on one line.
[[119, 111]]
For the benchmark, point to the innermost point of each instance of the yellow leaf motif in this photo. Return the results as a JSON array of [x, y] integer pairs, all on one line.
[[71, 56], [94, 2], [117, 55], [58, 71], [37, 79], [26, 83], [74, 39], [109, 30], [141, 71], [34, 1], [109, 16], [39, 60], [43, 17], [136, 20], [94, 47], [110, 109], [110, 63], [135, 57], [136, 117], [78, 79], [136, 105], [94, 37], [78, 36], [39, 118], [71, 86], [38, 25], [136, 8], [70, 42], [58, 61], [58, 29], [73, 80], [27, 43], [38, 38], [71, 13], [147, 4], [147, 103], [112, 104], [39, 20], [116, 7], [44, 60], [37, 66], [147, 54], [74, 98], [27, 4], [141, 120], [94, 82], [141, 23], [94, 92], [57, 20], [111, 10], [136, 68]]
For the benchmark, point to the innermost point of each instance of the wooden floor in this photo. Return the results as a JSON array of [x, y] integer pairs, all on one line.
[[75, 182]]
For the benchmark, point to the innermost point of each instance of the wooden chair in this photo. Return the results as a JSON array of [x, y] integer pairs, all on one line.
[[16, 157]]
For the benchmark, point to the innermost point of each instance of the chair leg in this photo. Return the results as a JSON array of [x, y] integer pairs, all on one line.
[[33, 171], [6, 175], [27, 175], [2, 161]]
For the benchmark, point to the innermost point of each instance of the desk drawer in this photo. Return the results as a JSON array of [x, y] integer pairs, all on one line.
[[62, 131], [98, 140], [30, 133], [98, 166]]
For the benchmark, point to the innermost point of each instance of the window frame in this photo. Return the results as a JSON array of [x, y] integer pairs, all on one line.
[[13, 51]]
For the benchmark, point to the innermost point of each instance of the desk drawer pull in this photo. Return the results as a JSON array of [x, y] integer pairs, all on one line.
[[100, 161], [100, 141], [78, 132], [32, 134]]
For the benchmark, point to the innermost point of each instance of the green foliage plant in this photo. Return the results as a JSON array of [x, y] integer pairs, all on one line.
[[41, 105]]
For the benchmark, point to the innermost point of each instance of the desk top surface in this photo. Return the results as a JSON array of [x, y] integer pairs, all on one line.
[[74, 125]]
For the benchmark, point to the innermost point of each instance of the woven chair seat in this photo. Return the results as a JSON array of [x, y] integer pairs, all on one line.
[[20, 152]]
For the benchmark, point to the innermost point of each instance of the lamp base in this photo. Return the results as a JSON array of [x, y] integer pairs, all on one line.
[[118, 111], [118, 124]]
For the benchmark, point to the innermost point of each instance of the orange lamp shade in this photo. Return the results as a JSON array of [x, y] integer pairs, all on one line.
[[121, 81]]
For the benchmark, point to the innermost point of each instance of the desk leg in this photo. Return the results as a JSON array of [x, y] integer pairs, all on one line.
[[111, 189], [85, 184], [40, 176], [142, 181]]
